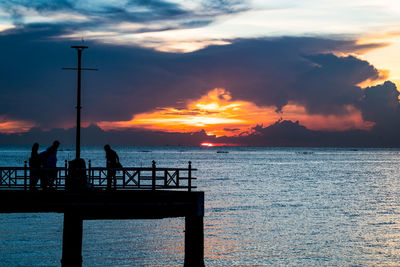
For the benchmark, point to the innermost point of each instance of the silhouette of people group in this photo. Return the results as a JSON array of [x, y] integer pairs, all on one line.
[[43, 166]]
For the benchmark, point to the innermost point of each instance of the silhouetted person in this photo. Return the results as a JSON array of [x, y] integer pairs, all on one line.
[[112, 163], [34, 164], [49, 161]]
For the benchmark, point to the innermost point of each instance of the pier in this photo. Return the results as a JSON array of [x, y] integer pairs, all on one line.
[[139, 193], [82, 193]]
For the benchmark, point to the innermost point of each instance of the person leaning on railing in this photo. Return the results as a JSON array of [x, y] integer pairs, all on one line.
[[112, 163]]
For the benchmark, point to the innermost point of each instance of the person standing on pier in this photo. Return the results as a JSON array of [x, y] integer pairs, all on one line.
[[34, 164], [50, 162], [112, 163]]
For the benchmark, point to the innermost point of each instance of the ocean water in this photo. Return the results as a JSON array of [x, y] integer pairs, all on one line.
[[263, 206]]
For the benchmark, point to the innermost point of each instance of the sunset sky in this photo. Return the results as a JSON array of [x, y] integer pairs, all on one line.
[[225, 67]]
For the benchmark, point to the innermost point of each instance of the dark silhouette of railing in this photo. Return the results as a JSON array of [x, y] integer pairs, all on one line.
[[151, 178]]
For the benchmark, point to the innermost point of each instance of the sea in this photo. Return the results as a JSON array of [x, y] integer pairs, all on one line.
[[263, 206]]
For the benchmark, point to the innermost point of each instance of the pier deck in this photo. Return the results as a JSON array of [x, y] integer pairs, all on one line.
[[96, 205]]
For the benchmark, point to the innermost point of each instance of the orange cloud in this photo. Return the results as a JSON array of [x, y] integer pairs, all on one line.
[[219, 115], [351, 120], [214, 112], [14, 126], [382, 77], [385, 55]]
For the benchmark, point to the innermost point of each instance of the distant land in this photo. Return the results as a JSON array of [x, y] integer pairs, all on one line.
[[281, 133]]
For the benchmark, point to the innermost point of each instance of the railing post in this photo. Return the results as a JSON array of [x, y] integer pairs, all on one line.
[[165, 178], [123, 179], [190, 177], [25, 174], [153, 176], [138, 178], [90, 171], [65, 172]]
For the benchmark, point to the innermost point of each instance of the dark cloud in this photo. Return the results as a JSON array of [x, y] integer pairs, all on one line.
[[281, 133], [380, 104], [332, 84], [40, 5], [217, 7], [93, 135], [289, 133], [269, 72], [232, 129], [163, 7]]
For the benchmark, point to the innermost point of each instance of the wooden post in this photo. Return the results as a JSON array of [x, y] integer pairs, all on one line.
[[138, 178], [194, 241], [26, 175], [65, 172], [165, 178], [72, 240], [90, 172], [123, 179], [153, 176], [190, 177], [194, 235]]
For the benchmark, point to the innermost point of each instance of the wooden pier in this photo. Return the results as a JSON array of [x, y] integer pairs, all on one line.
[[139, 193]]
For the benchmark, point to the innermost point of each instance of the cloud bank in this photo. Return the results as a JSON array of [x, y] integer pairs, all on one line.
[[317, 74], [268, 72], [281, 133]]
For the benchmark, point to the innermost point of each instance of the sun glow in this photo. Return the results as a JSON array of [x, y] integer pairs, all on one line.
[[207, 144], [215, 112], [219, 115]]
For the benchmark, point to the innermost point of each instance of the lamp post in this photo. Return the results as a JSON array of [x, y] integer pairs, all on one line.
[[79, 49]]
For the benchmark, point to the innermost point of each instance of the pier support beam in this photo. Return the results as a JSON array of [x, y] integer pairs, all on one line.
[[194, 241], [72, 240]]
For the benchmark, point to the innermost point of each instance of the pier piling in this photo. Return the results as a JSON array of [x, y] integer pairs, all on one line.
[[72, 240], [194, 241]]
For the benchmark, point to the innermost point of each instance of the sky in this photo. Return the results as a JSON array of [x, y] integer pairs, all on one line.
[[228, 72]]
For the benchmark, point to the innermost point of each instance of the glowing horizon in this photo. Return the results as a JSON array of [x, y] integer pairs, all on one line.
[[219, 115]]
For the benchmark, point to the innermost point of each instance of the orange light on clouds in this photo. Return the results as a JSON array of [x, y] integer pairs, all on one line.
[[219, 115], [383, 76], [385, 56], [215, 112], [352, 119], [14, 126]]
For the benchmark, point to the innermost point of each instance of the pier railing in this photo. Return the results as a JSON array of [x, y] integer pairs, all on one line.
[[151, 178]]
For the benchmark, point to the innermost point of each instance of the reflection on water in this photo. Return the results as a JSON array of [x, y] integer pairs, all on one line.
[[281, 206]]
